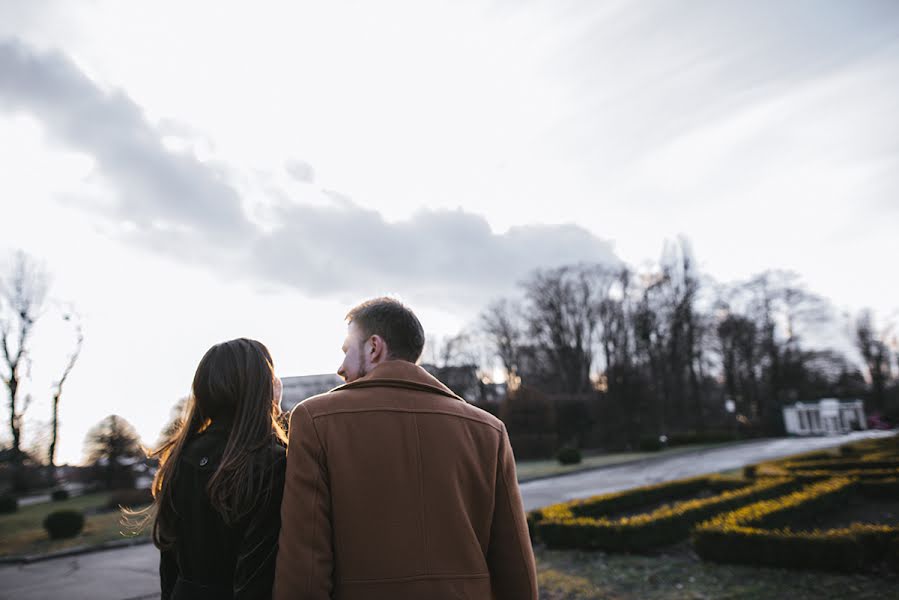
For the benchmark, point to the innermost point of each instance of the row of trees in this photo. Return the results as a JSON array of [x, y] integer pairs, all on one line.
[[668, 350]]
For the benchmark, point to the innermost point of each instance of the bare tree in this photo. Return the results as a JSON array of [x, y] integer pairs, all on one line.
[[57, 392], [872, 345], [23, 289], [502, 324], [563, 315]]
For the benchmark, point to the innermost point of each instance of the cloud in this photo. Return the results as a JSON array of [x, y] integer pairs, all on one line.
[[156, 188], [179, 205], [300, 170], [451, 257]]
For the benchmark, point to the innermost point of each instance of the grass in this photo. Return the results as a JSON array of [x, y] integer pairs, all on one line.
[[23, 532], [533, 469], [679, 574]]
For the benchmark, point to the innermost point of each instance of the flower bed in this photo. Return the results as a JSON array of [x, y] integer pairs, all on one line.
[[579, 524], [759, 533]]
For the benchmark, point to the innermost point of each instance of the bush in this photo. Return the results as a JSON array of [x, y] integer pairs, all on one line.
[[8, 504], [64, 524], [129, 499], [59, 495], [759, 534], [570, 525], [651, 443], [568, 455]]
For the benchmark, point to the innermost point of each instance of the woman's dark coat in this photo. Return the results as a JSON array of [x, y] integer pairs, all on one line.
[[211, 560]]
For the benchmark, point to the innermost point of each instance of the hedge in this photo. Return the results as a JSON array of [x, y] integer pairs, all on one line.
[[841, 465], [818, 475], [758, 533], [8, 504], [561, 525], [64, 524], [603, 504]]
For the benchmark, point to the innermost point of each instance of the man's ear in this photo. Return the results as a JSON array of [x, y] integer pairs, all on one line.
[[378, 349]]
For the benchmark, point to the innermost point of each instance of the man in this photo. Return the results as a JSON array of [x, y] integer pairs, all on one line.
[[397, 488]]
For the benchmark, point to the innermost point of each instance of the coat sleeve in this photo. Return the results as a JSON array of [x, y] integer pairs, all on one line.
[[305, 561], [255, 567], [168, 573], [510, 557]]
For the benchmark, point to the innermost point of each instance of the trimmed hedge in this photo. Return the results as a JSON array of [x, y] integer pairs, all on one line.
[[759, 534], [568, 456], [568, 526], [64, 524], [8, 504], [603, 504], [842, 465]]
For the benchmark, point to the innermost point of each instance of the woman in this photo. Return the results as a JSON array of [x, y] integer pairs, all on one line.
[[218, 490]]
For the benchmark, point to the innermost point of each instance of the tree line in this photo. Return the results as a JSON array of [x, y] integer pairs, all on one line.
[[623, 354]]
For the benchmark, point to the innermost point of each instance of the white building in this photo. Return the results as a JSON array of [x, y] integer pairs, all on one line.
[[297, 389], [828, 416]]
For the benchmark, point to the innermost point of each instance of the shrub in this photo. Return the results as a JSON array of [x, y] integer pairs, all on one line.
[[759, 533], [651, 443], [749, 471], [59, 495], [566, 525], [64, 524], [129, 499], [8, 504], [568, 455]]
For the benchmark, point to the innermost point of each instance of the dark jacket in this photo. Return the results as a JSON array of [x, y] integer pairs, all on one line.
[[210, 559], [397, 489]]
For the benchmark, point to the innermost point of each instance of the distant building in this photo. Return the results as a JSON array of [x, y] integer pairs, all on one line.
[[828, 416], [462, 380], [297, 389]]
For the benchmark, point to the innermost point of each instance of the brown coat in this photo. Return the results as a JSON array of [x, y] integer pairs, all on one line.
[[397, 488]]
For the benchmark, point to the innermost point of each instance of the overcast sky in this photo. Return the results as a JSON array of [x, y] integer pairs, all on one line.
[[193, 172]]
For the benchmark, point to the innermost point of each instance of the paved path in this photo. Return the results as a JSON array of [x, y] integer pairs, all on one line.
[[666, 468], [131, 573]]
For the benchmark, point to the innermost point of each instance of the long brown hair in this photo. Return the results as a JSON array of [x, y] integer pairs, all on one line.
[[234, 385]]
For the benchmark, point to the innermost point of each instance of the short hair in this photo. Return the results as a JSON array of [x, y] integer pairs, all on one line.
[[394, 322]]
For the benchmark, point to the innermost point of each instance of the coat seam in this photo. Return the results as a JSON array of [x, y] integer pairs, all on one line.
[[341, 411], [421, 496], [520, 544], [318, 478]]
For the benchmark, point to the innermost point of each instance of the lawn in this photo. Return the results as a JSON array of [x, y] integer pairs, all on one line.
[[23, 532], [677, 573]]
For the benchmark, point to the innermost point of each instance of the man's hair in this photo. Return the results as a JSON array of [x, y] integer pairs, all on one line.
[[396, 324]]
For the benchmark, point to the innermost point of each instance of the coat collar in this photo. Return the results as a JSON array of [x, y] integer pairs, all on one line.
[[402, 374]]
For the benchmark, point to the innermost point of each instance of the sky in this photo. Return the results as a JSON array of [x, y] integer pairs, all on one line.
[[193, 172]]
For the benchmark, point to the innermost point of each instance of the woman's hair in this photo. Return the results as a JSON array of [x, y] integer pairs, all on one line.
[[233, 385]]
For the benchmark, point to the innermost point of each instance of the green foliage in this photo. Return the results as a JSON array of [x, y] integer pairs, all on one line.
[[59, 495], [581, 524], [64, 524], [651, 443], [8, 504], [568, 455], [759, 533]]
